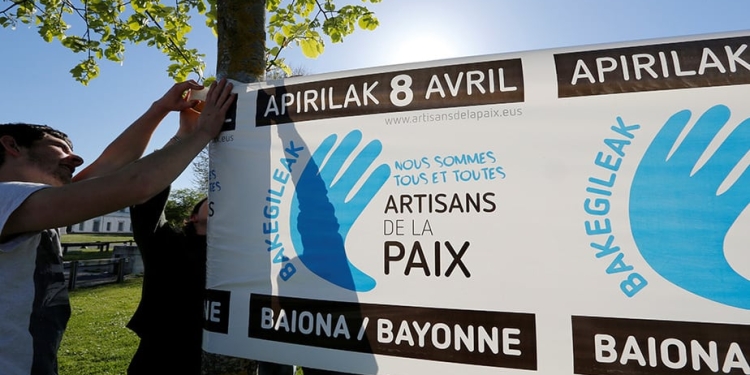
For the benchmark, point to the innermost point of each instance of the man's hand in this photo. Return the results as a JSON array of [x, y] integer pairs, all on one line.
[[178, 97], [218, 100], [188, 122]]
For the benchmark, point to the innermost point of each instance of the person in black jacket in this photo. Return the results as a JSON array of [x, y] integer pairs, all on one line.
[[169, 317]]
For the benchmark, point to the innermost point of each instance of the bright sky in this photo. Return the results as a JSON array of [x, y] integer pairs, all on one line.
[[38, 88]]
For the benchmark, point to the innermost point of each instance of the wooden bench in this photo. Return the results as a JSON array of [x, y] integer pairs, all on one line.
[[95, 271], [101, 245]]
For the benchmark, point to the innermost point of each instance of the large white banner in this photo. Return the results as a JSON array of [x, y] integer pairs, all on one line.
[[578, 210]]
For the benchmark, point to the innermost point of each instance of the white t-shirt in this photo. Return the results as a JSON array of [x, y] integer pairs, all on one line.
[[34, 305]]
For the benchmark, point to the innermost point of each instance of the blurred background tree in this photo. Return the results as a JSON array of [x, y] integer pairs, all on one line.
[[180, 205]]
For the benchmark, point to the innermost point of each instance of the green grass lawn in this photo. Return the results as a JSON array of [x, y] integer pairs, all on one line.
[[96, 341], [93, 237]]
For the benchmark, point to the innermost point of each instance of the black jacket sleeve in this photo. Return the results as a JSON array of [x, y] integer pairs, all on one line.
[[148, 217]]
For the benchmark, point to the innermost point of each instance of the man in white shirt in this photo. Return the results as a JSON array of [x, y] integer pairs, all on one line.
[[38, 194]]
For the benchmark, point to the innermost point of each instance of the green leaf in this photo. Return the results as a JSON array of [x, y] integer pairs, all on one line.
[[287, 31], [287, 70], [368, 22], [272, 5], [134, 24], [311, 48]]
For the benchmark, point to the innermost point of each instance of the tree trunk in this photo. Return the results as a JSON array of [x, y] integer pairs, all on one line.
[[241, 29]]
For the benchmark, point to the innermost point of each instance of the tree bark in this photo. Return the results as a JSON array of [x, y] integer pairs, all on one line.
[[241, 29]]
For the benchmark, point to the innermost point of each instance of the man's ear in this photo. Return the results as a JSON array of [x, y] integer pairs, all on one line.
[[10, 146]]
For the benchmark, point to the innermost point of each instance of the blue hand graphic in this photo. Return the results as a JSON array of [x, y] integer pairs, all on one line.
[[678, 221], [322, 211]]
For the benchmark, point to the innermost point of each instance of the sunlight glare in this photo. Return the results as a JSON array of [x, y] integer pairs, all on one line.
[[424, 47]]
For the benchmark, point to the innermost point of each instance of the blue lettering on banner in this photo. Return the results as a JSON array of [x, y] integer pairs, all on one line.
[[279, 180], [465, 167], [598, 205]]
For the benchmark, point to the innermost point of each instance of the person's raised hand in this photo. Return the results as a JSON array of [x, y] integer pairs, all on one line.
[[178, 97], [218, 100], [188, 121]]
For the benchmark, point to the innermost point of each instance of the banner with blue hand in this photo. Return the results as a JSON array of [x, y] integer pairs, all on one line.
[[570, 211], [682, 238], [323, 211]]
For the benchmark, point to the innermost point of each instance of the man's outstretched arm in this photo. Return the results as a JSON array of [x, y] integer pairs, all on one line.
[[56, 207], [130, 145]]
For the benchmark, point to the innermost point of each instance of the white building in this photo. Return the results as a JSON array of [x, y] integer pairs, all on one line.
[[115, 222]]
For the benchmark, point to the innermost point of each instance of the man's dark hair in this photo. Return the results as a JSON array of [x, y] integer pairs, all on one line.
[[189, 227], [26, 134]]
